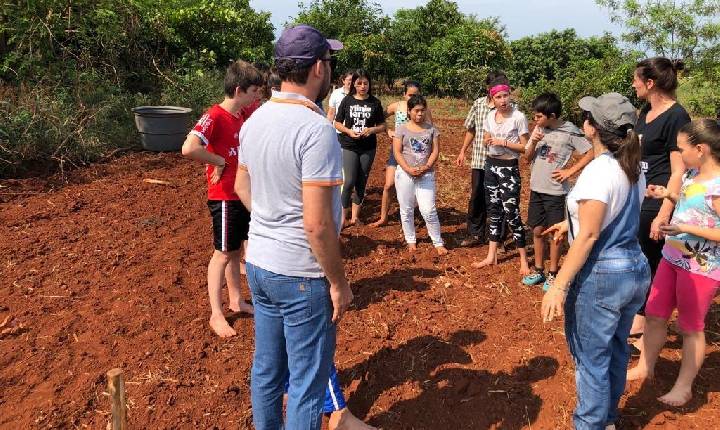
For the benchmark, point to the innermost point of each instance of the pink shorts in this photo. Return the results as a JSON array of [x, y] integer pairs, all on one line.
[[675, 287]]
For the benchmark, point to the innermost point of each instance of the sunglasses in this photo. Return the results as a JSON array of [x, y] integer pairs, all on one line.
[[332, 60]]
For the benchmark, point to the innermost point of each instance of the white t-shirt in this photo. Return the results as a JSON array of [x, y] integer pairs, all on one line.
[[336, 97], [286, 145], [604, 180], [511, 129]]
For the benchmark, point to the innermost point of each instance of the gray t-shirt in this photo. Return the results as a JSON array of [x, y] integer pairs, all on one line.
[[285, 146], [511, 129], [416, 145], [552, 153]]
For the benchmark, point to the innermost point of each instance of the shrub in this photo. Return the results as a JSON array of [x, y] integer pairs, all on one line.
[[699, 93]]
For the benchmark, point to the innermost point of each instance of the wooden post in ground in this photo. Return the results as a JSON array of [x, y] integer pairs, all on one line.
[[116, 389]]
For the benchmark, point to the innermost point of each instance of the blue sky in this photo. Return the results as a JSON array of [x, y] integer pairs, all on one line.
[[521, 17]]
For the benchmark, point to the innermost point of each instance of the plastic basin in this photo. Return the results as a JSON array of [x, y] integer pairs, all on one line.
[[162, 128]]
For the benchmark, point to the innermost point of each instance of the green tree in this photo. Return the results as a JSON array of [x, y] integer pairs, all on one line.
[[343, 18], [672, 28], [223, 29], [458, 62], [546, 55]]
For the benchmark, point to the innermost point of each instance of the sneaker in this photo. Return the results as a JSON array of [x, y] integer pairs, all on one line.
[[533, 278], [548, 282]]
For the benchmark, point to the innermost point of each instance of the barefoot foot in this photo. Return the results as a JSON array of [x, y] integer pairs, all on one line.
[[345, 420], [244, 307], [412, 247], [678, 396], [379, 223], [441, 250], [221, 327], [486, 262], [637, 373], [525, 269]]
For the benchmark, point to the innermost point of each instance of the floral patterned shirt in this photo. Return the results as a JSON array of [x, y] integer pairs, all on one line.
[[694, 207]]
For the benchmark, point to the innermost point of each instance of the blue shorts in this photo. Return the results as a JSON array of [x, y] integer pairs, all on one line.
[[334, 399], [392, 162]]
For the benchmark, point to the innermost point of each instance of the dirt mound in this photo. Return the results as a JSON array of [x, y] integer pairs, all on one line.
[[109, 271]]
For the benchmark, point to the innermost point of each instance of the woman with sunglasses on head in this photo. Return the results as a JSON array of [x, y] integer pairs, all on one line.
[[605, 276], [359, 119], [655, 81]]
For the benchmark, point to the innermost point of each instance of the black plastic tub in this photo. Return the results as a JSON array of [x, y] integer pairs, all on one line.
[[162, 128]]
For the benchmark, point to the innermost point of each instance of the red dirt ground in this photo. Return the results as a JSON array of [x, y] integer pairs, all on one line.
[[108, 271]]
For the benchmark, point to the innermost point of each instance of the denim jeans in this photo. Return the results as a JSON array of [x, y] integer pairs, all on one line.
[[295, 341], [599, 311], [421, 190]]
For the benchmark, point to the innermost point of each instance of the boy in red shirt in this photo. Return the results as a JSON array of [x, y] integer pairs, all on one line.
[[214, 141]]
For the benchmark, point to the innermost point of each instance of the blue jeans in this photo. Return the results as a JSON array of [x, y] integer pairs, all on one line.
[[295, 341], [599, 311]]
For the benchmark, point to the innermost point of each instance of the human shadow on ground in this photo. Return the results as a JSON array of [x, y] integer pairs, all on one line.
[[372, 290], [412, 361], [642, 407], [462, 398], [451, 217], [355, 246]]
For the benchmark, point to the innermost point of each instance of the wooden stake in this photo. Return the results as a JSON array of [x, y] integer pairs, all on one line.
[[116, 388]]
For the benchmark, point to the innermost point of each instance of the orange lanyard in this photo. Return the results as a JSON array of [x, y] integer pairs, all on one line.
[[308, 104]]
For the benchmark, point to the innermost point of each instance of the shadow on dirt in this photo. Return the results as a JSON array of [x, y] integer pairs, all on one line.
[[452, 397], [372, 290], [412, 361]]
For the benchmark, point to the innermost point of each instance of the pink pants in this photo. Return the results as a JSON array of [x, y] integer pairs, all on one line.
[[675, 287]]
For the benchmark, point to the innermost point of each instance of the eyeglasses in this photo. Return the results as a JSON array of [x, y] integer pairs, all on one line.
[[332, 60]]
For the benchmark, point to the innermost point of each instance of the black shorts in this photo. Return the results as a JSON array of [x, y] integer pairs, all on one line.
[[545, 210], [231, 222]]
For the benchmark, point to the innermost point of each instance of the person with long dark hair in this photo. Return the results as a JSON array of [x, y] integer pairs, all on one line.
[[359, 119], [416, 149], [400, 113], [605, 276], [689, 274], [655, 82]]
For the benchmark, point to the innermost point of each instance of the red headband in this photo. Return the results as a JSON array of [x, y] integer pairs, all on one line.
[[499, 88]]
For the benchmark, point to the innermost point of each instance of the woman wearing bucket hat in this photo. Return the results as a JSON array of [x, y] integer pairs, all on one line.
[[605, 276]]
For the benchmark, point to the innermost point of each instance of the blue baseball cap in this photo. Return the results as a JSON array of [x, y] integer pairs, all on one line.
[[304, 44]]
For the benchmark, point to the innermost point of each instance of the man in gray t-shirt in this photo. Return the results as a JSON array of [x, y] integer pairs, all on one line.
[[289, 176]]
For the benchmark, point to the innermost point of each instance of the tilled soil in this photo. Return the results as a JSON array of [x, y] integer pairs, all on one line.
[[107, 271]]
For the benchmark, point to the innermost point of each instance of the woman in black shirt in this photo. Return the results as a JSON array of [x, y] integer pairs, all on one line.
[[359, 118], [655, 82]]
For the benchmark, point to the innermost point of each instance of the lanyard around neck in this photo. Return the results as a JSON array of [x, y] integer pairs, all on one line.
[[308, 104]]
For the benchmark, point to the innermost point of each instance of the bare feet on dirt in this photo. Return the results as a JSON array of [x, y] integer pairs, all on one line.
[[441, 250], [221, 327], [345, 420], [486, 262], [525, 269], [638, 373], [244, 307], [678, 396], [379, 223]]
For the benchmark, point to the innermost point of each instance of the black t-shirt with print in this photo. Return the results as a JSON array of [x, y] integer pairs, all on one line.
[[356, 115], [658, 138]]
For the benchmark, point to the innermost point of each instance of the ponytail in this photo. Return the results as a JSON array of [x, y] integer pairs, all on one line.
[[624, 145]]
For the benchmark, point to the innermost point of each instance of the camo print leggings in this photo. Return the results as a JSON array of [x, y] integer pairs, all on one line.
[[502, 185]]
